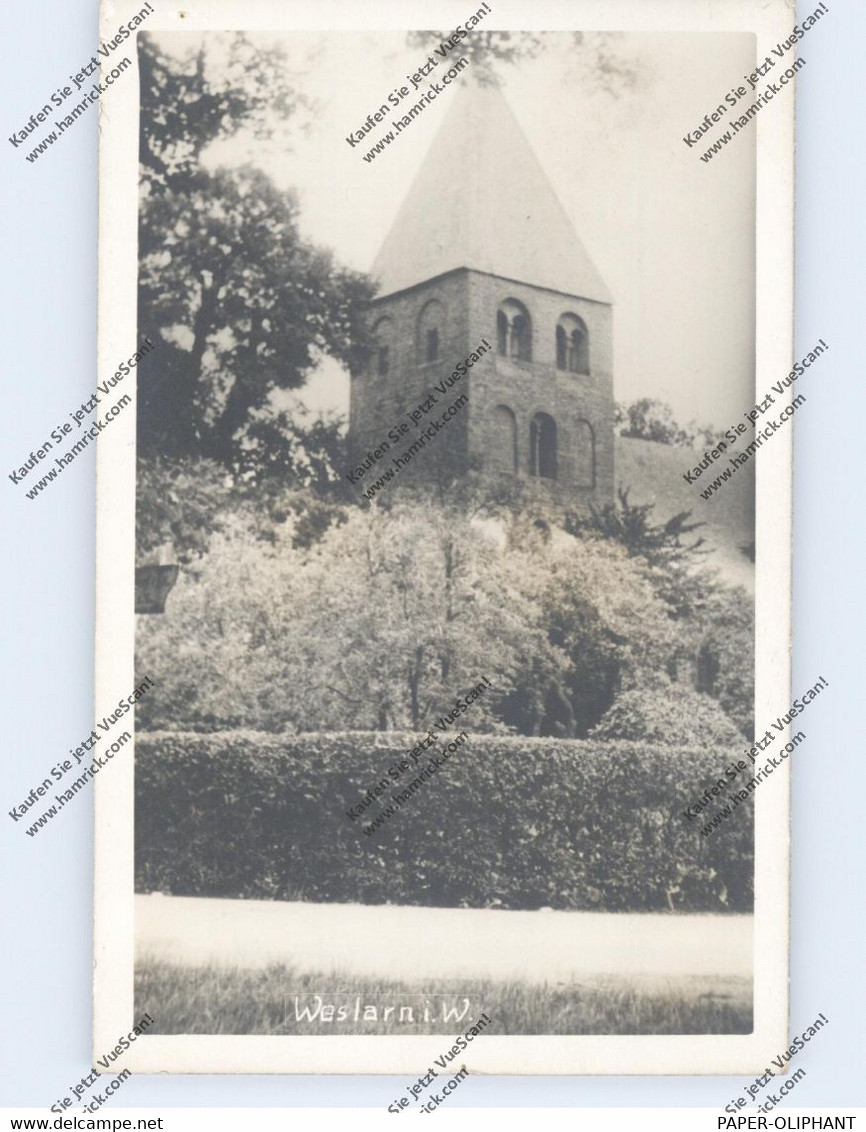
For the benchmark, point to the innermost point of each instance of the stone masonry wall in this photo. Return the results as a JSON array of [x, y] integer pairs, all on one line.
[[380, 403], [527, 388], [470, 300]]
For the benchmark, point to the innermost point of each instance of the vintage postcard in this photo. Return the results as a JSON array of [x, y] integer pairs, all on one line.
[[444, 525]]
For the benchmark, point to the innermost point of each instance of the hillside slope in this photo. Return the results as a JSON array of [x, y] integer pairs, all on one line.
[[654, 474]]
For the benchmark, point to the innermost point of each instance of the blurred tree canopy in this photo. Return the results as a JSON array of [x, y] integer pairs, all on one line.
[[240, 305], [379, 619], [596, 58]]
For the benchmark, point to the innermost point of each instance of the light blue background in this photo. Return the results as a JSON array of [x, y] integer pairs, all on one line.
[[46, 582]]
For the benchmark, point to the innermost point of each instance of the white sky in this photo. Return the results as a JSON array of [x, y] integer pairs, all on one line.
[[672, 236]]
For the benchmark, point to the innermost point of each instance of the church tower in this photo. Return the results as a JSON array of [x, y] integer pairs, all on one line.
[[482, 249]]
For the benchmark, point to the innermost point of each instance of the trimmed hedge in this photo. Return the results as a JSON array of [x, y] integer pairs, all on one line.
[[509, 822]]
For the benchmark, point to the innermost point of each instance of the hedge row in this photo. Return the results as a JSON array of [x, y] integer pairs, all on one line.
[[508, 822]]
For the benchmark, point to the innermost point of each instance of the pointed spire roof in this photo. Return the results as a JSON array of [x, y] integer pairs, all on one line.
[[481, 200]]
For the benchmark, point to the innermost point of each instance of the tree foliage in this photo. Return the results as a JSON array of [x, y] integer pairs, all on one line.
[[669, 714], [378, 622], [381, 620], [726, 624], [241, 305], [179, 504], [183, 501], [651, 419], [630, 524], [715, 622], [667, 549], [186, 106], [594, 56]]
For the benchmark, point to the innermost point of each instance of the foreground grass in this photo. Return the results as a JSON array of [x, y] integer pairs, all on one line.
[[278, 999]]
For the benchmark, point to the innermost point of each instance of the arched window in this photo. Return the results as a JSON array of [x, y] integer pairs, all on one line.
[[520, 343], [514, 331], [383, 336], [430, 326], [501, 333], [502, 452], [561, 348], [542, 446], [584, 454], [572, 344]]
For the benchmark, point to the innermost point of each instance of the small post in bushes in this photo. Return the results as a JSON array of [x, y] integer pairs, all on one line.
[[153, 584]]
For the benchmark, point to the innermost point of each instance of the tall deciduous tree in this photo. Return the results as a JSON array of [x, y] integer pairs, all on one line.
[[241, 304], [596, 58], [382, 621]]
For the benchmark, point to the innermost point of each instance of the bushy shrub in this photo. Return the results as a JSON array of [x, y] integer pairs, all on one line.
[[669, 714], [509, 822], [376, 622], [729, 636]]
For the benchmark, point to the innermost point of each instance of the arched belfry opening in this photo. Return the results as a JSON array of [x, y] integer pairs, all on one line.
[[572, 344], [514, 331], [430, 331]]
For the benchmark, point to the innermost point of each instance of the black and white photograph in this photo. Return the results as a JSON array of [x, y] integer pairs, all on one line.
[[433, 438], [460, 474]]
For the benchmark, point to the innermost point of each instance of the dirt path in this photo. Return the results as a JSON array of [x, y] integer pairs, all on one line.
[[412, 943]]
